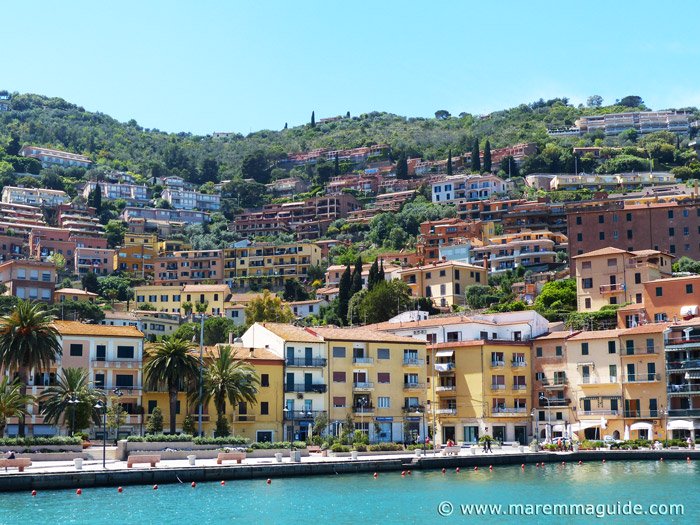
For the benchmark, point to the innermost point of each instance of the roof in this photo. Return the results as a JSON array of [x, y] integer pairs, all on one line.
[[363, 334], [300, 303], [194, 288], [443, 264], [650, 328], [76, 328], [603, 251], [247, 354], [562, 334], [328, 290], [596, 334], [431, 321], [75, 291], [673, 279], [242, 298], [289, 332]]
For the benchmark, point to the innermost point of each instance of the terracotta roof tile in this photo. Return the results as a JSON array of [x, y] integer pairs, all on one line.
[[75, 328], [362, 334], [596, 334]]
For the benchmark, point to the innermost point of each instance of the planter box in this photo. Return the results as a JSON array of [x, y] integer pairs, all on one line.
[[54, 456], [52, 448]]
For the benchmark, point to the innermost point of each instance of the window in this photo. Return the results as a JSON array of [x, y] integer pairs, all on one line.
[[100, 352], [601, 219], [584, 348], [637, 278], [670, 214], [672, 248], [264, 379], [628, 217], [671, 232], [587, 303], [339, 377], [442, 273], [383, 377], [163, 298], [601, 236], [558, 350], [613, 373], [338, 351], [124, 380], [579, 237], [578, 220], [586, 265], [587, 283], [76, 350], [611, 347], [659, 291], [538, 351], [264, 408], [152, 404], [100, 380], [125, 352], [688, 288], [384, 402], [383, 353], [629, 234]]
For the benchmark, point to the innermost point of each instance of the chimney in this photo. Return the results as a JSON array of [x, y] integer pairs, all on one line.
[[230, 338], [486, 262]]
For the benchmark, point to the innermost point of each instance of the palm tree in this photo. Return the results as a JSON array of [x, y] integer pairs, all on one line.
[[12, 402], [72, 400], [229, 378], [170, 362], [28, 340]]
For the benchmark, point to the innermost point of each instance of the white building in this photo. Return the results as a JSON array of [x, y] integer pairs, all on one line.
[[132, 193], [54, 157], [182, 199], [456, 188], [34, 196]]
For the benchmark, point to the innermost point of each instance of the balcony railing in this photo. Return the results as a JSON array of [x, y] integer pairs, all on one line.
[[302, 414], [518, 363], [362, 385], [498, 387], [508, 410], [611, 288], [519, 387], [638, 350], [684, 412], [446, 411], [444, 367], [414, 386], [598, 412], [677, 343], [682, 366], [302, 361], [555, 384], [496, 363], [642, 378], [303, 387], [446, 388], [642, 414], [593, 380], [244, 418], [360, 409], [413, 361], [362, 360], [554, 403], [683, 389], [121, 363]]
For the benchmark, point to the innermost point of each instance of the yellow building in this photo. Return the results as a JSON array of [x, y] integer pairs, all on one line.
[[260, 263], [163, 298], [444, 282], [524, 248], [261, 421], [481, 388], [614, 276], [149, 240], [171, 245], [136, 259], [377, 378], [215, 295]]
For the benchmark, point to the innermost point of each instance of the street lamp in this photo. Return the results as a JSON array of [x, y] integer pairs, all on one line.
[[201, 372], [534, 424], [73, 401], [290, 411], [102, 405], [549, 415], [362, 402], [117, 392]]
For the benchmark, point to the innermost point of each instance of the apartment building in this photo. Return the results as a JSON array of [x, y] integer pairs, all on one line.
[[490, 210], [436, 234], [189, 267], [34, 196], [335, 272], [379, 379], [671, 227], [139, 260], [162, 298], [641, 121], [28, 279], [131, 193], [79, 219], [615, 276], [247, 263], [21, 214], [443, 282], [216, 296], [96, 260], [466, 187], [182, 199], [44, 241], [73, 294], [668, 299], [619, 181], [682, 351], [155, 216], [526, 248], [53, 157]]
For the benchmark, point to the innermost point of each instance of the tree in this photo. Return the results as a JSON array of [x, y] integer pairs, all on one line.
[[14, 145], [313, 119], [481, 296], [229, 379], [381, 277], [256, 166], [95, 198], [557, 299], [336, 166], [476, 161], [114, 287], [170, 362], [187, 308], [442, 114], [116, 415], [58, 260], [594, 101], [509, 166], [344, 293], [71, 401], [216, 330], [28, 340], [686, 264], [294, 291], [373, 276], [83, 311], [188, 426], [487, 156], [114, 233], [402, 166], [449, 162], [155, 422], [267, 308], [209, 171], [356, 277], [12, 402], [631, 101], [386, 300]]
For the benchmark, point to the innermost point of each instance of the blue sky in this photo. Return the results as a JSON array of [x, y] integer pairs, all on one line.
[[205, 65]]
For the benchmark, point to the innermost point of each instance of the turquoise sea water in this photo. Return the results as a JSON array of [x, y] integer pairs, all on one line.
[[390, 498]]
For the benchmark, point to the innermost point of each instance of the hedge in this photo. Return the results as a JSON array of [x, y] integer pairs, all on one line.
[[230, 440], [30, 442], [163, 438]]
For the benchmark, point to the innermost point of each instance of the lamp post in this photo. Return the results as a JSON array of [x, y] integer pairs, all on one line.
[[117, 392], [664, 413], [73, 401], [534, 424], [362, 402], [290, 415], [201, 373], [102, 405], [549, 415]]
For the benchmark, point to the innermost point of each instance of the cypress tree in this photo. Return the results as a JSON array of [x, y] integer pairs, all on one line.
[[336, 166], [313, 119], [449, 162], [344, 293], [373, 275], [381, 277], [402, 167], [487, 156], [95, 198], [356, 277], [476, 161]]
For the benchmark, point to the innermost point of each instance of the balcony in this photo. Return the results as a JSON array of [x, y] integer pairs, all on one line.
[[556, 384], [598, 412], [497, 364], [446, 411], [498, 387], [414, 361], [444, 367], [554, 403], [519, 387], [684, 412], [445, 388], [682, 366], [642, 350], [693, 388], [640, 414], [414, 386], [302, 414], [680, 343], [303, 387], [315, 362], [508, 411], [126, 363], [243, 418], [642, 378], [362, 360], [593, 380], [360, 409], [363, 385], [611, 288], [518, 363]]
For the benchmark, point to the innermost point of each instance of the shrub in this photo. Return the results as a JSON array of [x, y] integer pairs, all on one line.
[[223, 428], [337, 447], [484, 437], [228, 440], [155, 422], [380, 447], [188, 426], [360, 447], [32, 442], [162, 438]]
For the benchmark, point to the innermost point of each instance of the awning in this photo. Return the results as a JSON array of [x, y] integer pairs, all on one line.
[[583, 425], [641, 426], [444, 353], [680, 424], [689, 310], [558, 428], [586, 363], [692, 375]]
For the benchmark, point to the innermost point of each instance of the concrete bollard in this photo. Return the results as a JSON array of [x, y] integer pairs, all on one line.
[[191, 459], [278, 457], [78, 462]]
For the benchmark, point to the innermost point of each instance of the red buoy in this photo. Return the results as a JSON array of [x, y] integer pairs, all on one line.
[[688, 458], [269, 481], [120, 490], [661, 459], [155, 487], [79, 492], [476, 468], [223, 482], [375, 475], [490, 467], [603, 461], [193, 484], [580, 462], [457, 469], [443, 470], [522, 466], [403, 472], [408, 472], [33, 492], [563, 462]]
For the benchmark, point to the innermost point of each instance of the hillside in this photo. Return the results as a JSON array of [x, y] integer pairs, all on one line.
[[126, 146]]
